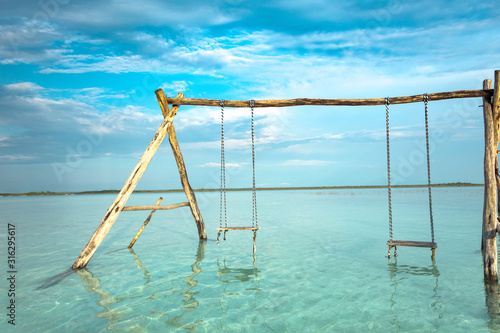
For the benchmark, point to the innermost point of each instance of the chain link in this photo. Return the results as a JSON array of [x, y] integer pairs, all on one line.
[[255, 222], [388, 166], [426, 100], [223, 207]]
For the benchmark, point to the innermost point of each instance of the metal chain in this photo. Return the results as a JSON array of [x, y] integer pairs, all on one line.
[[426, 100], [388, 166], [223, 208], [255, 222]]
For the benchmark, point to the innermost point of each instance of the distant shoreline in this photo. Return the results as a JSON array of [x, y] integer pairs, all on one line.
[[47, 193]]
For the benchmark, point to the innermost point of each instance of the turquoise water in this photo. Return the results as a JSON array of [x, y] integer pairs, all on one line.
[[321, 265]]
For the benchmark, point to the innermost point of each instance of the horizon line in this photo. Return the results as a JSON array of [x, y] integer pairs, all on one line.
[[274, 188]]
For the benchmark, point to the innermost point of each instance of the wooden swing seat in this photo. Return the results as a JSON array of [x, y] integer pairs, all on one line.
[[238, 228], [412, 243]]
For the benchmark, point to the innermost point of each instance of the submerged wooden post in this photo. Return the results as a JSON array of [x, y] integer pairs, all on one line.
[[144, 224], [493, 305], [489, 243], [117, 206], [172, 138]]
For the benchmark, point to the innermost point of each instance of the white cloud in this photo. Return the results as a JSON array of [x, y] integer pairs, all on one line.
[[152, 43], [176, 86], [229, 144], [154, 12], [23, 88], [229, 165], [39, 127], [130, 119], [271, 126], [406, 134], [307, 163], [15, 158], [272, 60], [70, 63], [29, 105], [5, 142], [334, 136], [202, 116]]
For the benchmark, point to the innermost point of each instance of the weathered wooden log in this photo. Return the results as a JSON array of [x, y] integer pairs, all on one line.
[[156, 207], [117, 206], [490, 193], [495, 103], [320, 101], [497, 177], [172, 138], [144, 224], [193, 204], [496, 115]]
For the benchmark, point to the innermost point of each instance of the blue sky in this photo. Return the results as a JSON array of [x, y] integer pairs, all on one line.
[[77, 82]]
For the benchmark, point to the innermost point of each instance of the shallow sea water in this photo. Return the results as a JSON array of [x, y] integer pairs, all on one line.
[[320, 266]]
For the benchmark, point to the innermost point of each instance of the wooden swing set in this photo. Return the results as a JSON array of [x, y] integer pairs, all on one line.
[[491, 111]]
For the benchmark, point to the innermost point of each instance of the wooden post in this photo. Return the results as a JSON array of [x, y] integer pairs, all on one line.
[[497, 177], [144, 224], [496, 107], [490, 194], [172, 137], [486, 107], [117, 206], [496, 117]]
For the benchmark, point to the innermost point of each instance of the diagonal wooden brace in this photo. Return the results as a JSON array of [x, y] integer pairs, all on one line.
[[144, 224], [172, 137]]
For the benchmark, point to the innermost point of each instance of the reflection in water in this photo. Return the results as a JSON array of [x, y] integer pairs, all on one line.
[[105, 300], [401, 272], [492, 303], [115, 317], [231, 277], [190, 303], [140, 266]]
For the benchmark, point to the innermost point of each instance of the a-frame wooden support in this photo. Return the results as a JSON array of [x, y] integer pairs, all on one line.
[[166, 127]]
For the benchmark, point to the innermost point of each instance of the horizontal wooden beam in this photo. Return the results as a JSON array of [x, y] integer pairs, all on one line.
[[156, 207], [320, 101], [412, 243]]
